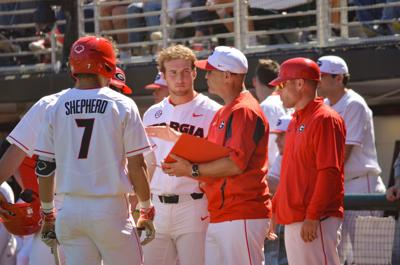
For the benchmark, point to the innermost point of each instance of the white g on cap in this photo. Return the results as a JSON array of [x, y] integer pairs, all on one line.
[[332, 65], [282, 124], [226, 59]]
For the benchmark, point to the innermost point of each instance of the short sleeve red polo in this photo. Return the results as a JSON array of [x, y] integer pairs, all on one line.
[[241, 126]]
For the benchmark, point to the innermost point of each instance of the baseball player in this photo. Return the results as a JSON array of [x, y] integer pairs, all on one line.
[[19, 157], [238, 200], [274, 248], [97, 139], [181, 205], [8, 243], [309, 198], [159, 88], [271, 104], [361, 169]]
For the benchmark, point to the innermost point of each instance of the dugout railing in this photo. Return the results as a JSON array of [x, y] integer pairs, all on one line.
[[375, 232], [257, 27]]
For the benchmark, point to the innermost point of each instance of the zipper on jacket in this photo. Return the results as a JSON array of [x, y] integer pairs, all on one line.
[[223, 194]]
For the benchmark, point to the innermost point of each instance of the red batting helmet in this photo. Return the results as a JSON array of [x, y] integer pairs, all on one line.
[[297, 68], [119, 81], [92, 55], [22, 218]]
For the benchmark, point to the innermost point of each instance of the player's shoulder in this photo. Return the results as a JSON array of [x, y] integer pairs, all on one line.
[[156, 108], [207, 103], [52, 98], [354, 99]]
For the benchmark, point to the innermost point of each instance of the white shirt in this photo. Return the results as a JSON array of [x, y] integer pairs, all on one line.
[[90, 133], [26, 132], [193, 117], [275, 171], [359, 133], [273, 109]]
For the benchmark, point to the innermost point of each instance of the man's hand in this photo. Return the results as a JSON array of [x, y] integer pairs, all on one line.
[[309, 230], [163, 132], [271, 235], [393, 193], [145, 222], [180, 168], [48, 232]]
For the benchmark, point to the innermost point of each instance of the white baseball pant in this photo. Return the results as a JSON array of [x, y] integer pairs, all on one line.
[[321, 251], [361, 185], [8, 247], [238, 242], [180, 232], [24, 250], [91, 229]]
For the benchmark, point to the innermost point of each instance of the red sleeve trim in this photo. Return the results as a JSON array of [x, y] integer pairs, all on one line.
[[22, 145], [133, 151], [44, 152]]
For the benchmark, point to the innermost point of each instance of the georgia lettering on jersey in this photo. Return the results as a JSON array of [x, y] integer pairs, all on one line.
[[78, 106], [184, 128]]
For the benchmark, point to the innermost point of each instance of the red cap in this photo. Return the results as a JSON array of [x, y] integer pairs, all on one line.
[[297, 68], [118, 80]]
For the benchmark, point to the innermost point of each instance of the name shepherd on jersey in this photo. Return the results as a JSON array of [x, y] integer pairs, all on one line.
[[85, 106]]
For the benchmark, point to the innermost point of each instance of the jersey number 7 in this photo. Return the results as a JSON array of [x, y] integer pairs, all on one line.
[[87, 135]]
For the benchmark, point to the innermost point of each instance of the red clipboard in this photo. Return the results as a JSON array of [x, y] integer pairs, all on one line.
[[197, 150]]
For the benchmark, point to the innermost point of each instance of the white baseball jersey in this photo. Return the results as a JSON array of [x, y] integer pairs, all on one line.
[[194, 118], [25, 134], [273, 109], [275, 170], [357, 116], [83, 131]]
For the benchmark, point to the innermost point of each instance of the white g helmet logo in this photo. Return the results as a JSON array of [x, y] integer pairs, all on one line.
[[79, 48]]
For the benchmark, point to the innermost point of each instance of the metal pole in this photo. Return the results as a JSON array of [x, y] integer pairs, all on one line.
[[96, 15], [81, 18], [244, 23], [236, 24], [344, 28], [323, 29], [164, 22]]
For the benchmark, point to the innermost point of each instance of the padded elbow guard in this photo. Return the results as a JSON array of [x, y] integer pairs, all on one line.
[[45, 166]]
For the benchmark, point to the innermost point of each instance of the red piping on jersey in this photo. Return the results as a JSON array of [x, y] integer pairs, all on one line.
[[322, 243], [45, 152], [138, 149], [26, 148], [247, 241]]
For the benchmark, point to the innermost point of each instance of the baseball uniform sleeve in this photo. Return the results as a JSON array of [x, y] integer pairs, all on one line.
[[26, 132], [355, 119], [135, 138], [329, 144], [45, 142], [244, 131]]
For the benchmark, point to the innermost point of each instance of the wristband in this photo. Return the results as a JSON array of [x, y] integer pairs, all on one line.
[[145, 204], [47, 207]]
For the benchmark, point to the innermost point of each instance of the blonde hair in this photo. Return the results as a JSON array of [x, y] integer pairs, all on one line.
[[175, 52]]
